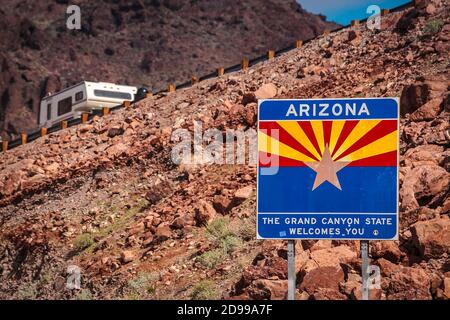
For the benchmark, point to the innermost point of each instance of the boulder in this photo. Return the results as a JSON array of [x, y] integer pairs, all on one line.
[[432, 237], [127, 256], [322, 277], [204, 213], [163, 232], [268, 289], [386, 249], [428, 111], [266, 91], [421, 184], [409, 284], [331, 257], [222, 204]]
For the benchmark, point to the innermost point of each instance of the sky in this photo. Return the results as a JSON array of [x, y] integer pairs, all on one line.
[[344, 11]]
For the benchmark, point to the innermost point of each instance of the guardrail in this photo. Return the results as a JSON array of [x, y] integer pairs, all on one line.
[[243, 65]]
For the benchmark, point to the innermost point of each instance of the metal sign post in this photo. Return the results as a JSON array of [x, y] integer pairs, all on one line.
[[291, 269], [365, 269]]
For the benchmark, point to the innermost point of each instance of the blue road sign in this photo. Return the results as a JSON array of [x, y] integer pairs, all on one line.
[[328, 169]]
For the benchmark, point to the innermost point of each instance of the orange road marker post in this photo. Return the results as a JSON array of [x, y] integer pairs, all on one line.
[[127, 104], [84, 117], [220, 72], [4, 146], [64, 124], [105, 111], [23, 138], [43, 131], [194, 80], [298, 44], [271, 54], [172, 88], [245, 63]]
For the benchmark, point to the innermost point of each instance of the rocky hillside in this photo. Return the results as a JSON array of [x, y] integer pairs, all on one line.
[[151, 42], [105, 196]]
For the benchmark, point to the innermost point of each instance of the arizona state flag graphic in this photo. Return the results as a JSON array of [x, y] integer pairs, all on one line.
[[327, 169]]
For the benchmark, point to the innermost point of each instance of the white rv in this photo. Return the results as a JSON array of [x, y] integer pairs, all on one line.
[[83, 97]]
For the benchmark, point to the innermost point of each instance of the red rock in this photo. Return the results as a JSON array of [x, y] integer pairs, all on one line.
[[116, 150], [163, 232], [413, 97], [222, 204], [127, 256], [327, 294], [268, 289], [331, 257], [432, 237], [428, 111], [409, 284], [446, 289], [422, 182], [387, 268], [267, 91], [204, 213], [322, 277], [386, 249]]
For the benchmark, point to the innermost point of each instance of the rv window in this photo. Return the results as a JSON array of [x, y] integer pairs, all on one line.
[[79, 96], [112, 94], [64, 106], [49, 111]]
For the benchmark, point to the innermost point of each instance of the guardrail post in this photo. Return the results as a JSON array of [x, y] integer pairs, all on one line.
[[194, 80], [84, 117], [385, 12], [4, 146], [271, 54], [43, 131], [105, 111], [354, 23], [220, 72], [298, 44], [127, 104], [64, 124], [172, 87], [244, 64], [23, 138]]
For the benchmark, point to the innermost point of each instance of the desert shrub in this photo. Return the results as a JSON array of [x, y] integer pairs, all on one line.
[[230, 243], [212, 258], [247, 229], [84, 295], [432, 27], [27, 292], [218, 228], [144, 283], [204, 290], [83, 241]]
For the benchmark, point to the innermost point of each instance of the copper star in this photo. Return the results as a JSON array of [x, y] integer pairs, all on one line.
[[326, 169]]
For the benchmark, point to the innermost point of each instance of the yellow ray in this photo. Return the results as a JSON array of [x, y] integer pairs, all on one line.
[[270, 145], [318, 132], [385, 144], [336, 129], [294, 129], [357, 133]]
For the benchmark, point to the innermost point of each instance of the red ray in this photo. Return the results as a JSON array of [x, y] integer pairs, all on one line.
[[346, 130], [383, 128], [282, 161], [306, 126], [388, 159], [327, 131], [285, 137]]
